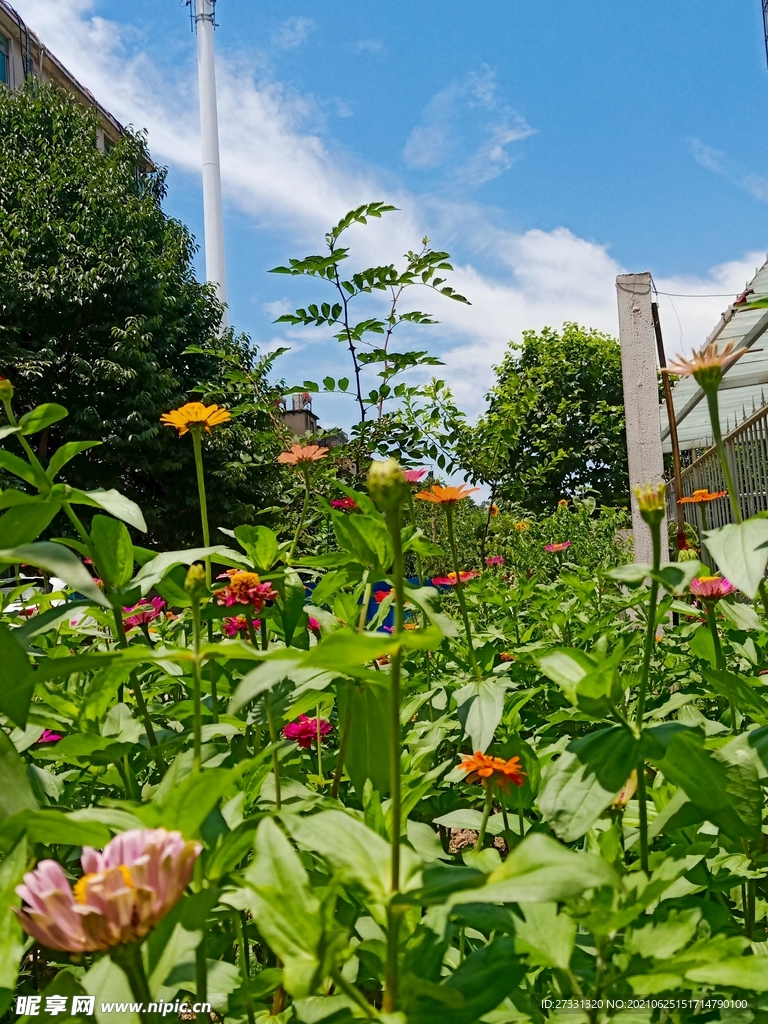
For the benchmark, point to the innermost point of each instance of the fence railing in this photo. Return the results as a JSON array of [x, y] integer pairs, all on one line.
[[746, 448]]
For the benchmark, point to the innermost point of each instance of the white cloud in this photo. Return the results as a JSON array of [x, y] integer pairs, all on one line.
[[372, 46], [293, 33], [280, 171], [718, 162]]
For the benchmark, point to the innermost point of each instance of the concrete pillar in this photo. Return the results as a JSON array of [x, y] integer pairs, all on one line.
[[641, 399]]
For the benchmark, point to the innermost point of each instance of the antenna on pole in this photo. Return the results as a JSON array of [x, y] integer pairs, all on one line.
[[765, 26], [203, 15]]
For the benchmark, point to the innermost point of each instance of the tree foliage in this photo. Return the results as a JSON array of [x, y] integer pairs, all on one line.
[[555, 421], [101, 312]]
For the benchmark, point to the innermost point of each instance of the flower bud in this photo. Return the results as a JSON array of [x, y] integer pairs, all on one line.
[[650, 501], [194, 584], [387, 485], [6, 390]]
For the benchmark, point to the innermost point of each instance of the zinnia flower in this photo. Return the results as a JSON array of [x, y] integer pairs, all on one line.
[[557, 548], [522, 526], [494, 560], [195, 414], [711, 588], [414, 476], [123, 894], [493, 511], [50, 737], [149, 610], [707, 365], [506, 656], [304, 730], [701, 497], [563, 503], [450, 579], [314, 626], [245, 588], [481, 767], [446, 495], [381, 595], [346, 504], [238, 625], [302, 454]]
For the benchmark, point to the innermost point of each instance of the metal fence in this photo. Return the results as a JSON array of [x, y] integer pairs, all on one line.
[[746, 449]]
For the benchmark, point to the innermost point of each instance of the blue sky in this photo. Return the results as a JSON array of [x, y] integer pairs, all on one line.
[[548, 144]]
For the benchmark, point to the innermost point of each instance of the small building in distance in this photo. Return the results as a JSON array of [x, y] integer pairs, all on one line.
[[299, 418], [23, 53]]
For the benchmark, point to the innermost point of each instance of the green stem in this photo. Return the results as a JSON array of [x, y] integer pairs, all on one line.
[[136, 686], [212, 673], [342, 752], [486, 814], [198, 449], [643, 805], [419, 565], [264, 635], [650, 639], [245, 973], [303, 516], [353, 993], [33, 459], [714, 416], [363, 616], [764, 597], [319, 745], [720, 658], [460, 589], [128, 958], [197, 762], [275, 758]]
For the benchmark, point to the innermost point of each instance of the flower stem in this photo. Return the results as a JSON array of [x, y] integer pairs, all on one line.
[[135, 684], [460, 588], [342, 752], [486, 814], [642, 802], [198, 448], [419, 566], [275, 758], [353, 993], [319, 745], [714, 416], [197, 762], [303, 516], [650, 638], [244, 965], [720, 658], [128, 959]]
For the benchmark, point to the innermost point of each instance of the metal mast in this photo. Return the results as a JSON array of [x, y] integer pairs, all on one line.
[[204, 17], [765, 26]]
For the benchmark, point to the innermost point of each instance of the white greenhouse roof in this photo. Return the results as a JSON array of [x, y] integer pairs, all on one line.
[[745, 383]]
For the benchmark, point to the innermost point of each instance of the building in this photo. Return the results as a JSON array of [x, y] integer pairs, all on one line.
[[299, 418], [22, 53]]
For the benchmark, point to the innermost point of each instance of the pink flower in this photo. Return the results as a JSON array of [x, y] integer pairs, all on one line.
[[304, 730], [346, 504], [124, 892], [238, 625], [557, 548], [314, 626], [149, 611], [494, 560], [245, 588], [414, 476], [50, 737], [450, 579], [711, 588]]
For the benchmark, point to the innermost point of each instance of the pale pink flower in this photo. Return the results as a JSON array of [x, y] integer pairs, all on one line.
[[492, 560], [304, 730], [557, 548], [414, 476], [711, 588], [124, 892]]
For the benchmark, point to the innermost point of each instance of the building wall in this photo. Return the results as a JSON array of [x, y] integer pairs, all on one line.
[[24, 53]]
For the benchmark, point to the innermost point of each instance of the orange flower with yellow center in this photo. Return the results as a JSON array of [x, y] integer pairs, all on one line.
[[195, 415], [446, 495], [299, 454], [701, 497], [480, 767], [706, 366]]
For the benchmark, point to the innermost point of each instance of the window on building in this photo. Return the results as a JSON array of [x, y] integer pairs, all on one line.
[[5, 62]]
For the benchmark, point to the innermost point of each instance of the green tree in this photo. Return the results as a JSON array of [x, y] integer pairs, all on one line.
[[555, 421], [101, 312]]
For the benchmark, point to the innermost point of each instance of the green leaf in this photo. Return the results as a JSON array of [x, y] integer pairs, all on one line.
[[546, 936], [290, 608], [12, 940], [24, 523], [746, 697], [109, 984], [58, 561], [49, 826], [748, 972], [17, 681], [23, 470], [369, 731], [274, 671], [567, 667], [285, 909], [346, 649], [541, 870], [41, 417], [191, 801], [367, 539], [153, 571], [16, 794], [260, 544], [741, 553], [481, 705], [676, 576], [114, 550], [110, 501], [66, 453], [586, 779]]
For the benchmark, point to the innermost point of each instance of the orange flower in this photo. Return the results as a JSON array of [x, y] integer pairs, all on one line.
[[493, 511], [480, 767], [701, 497], [522, 526], [563, 503], [446, 495], [707, 365], [299, 454], [195, 414]]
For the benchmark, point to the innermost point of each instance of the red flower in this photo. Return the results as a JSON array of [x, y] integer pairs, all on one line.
[[345, 504], [304, 730], [382, 595]]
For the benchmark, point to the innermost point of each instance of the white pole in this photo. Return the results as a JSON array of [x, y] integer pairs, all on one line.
[[215, 264]]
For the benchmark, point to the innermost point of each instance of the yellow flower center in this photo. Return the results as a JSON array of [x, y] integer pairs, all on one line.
[[80, 887]]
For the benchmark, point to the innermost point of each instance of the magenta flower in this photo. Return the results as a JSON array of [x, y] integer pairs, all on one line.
[[314, 626], [145, 612], [557, 548], [492, 560], [50, 737], [244, 588], [304, 730], [346, 504], [124, 892], [237, 625], [450, 579], [711, 588], [414, 476]]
